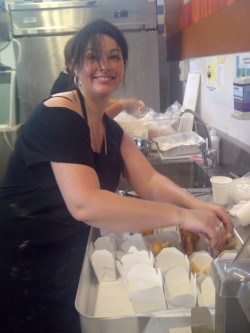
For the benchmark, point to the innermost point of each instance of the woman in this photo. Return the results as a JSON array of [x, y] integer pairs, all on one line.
[[61, 180], [65, 82]]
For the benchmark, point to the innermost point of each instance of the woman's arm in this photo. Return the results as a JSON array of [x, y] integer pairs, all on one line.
[[103, 209], [160, 188], [132, 106], [168, 206]]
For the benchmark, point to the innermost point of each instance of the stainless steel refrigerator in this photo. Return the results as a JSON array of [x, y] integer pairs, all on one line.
[[40, 31]]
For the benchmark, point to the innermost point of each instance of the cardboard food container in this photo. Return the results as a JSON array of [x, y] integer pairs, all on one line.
[[180, 288], [144, 283], [200, 263], [125, 261], [168, 234], [206, 291], [102, 257], [171, 257], [135, 240]]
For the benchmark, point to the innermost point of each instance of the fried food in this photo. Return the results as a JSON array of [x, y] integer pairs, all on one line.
[[146, 232], [230, 243], [157, 247], [189, 241], [195, 268]]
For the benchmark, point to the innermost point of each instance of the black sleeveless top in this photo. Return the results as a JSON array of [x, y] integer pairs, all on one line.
[[41, 245]]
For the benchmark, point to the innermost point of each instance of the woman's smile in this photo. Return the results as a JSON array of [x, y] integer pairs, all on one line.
[[104, 78], [103, 69]]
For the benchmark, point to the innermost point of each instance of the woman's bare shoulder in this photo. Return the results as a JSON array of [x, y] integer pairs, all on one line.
[[64, 100]]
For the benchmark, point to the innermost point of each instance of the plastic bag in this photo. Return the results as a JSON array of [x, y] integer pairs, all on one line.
[[173, 111], [240, 189]]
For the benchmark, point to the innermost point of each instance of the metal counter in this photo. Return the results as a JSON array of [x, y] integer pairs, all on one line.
[[158, 322]]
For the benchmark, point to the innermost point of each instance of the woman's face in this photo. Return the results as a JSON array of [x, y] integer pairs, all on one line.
[[103, 70]]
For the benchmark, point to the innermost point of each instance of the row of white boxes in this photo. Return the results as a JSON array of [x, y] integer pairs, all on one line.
[[151, 283], [105, 306]]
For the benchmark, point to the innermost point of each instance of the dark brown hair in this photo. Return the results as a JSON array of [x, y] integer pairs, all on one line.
[[91, 34]]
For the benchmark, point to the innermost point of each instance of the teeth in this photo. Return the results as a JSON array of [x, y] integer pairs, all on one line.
[[104, 78]]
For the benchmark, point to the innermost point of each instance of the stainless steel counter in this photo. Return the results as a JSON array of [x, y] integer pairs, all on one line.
[[160, 322], [197, 176]]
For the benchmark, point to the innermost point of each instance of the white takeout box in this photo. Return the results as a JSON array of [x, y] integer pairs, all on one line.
[[126, 260], [135, 240], [102, 257], [202, 260], [168, 234], [180, 288], [169, 257], [116, 235], [206, 291], [144, 286]]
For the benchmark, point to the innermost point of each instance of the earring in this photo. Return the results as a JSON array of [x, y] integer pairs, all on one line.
[[123, 81], [76, 80]]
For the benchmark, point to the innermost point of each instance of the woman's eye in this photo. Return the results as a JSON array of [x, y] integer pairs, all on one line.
[[92, 57], [115, 57]]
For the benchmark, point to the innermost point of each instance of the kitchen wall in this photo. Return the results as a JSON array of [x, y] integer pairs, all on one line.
[[223, 33], [216, 106], [216, 103]]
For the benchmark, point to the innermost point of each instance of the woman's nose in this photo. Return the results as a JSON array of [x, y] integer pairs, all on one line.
[[104, 64]]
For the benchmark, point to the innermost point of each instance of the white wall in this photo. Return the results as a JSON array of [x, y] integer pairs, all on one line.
[[216, 108]]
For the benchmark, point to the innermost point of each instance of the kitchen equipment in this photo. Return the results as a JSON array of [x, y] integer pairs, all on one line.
[[144, 145], [8, 137], [41, 30], [232, 283], [105, 307], [4, 27], [180, 144], [148, 128], [8, 99]]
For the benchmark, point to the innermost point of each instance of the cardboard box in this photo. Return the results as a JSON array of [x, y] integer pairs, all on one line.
[[102, 257]]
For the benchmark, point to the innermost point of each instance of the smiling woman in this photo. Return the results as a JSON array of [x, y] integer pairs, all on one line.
[[103, 68], [104, 60], [61, 180]]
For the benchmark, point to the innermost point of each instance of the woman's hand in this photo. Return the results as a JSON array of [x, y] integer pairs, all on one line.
[[224, 217], [134, 106], [212, 225]]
